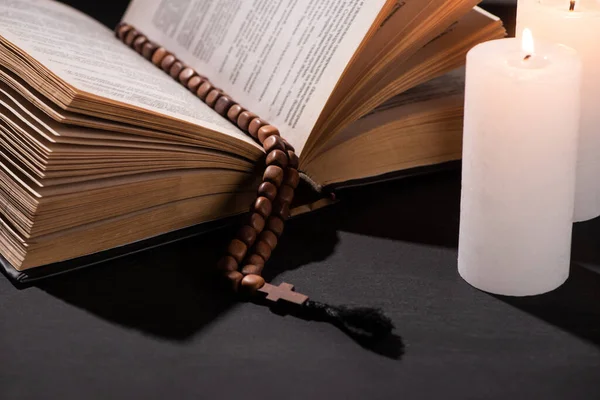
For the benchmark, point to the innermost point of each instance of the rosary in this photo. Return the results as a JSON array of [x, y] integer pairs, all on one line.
[[247, 253]]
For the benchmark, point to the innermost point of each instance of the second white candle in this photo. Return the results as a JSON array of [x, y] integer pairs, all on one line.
[[579, 28]]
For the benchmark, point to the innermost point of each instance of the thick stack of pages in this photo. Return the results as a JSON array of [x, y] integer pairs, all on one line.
[[100, 148]]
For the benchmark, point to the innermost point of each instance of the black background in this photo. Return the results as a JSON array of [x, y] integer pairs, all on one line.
[[152, 326]]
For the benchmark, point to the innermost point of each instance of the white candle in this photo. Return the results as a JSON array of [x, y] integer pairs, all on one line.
[[577, 25], [519, 160]]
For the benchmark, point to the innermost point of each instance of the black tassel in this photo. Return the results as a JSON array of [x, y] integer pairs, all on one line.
[[367, 326], [369, 323]]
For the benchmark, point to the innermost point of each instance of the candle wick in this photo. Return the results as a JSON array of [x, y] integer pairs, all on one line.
[[572, 6], [527, 57]]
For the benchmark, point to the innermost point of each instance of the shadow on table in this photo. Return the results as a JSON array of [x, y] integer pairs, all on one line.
[[158, 291], [421, 209], [170, 291], [574, 307]]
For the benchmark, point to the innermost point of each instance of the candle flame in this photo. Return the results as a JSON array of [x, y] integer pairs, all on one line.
[[528, 44], [572, 5]]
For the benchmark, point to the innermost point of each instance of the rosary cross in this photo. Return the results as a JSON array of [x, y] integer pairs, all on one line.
[[284, 291]]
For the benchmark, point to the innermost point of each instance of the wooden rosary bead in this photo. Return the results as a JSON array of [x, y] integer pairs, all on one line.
[[212, 97], [194, 83], [204, 89], [131, 36], [288, 146], [256, 221], [176, 69], [263, 206], [252, 269], [251, 283], [235, 279], [223, 104], [158, 56], [292, 178], [273, 174], [122, 31], [263, 249], [255, 125], [266, 131], [227, 264], [148, 50], [244, 119], [277, 157], [139, 42], [257, 261], [269, 238], [185, 75], [273, 143], [237, 249], [247, 234], [285, 194], [293, 159], [167, 62], [281, 210], [268, 190], [275, 225], [234, 112]]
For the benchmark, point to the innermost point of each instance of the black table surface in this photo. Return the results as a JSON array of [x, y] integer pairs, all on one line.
[[152, 326]]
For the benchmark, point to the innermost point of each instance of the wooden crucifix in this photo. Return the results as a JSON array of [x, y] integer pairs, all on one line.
[[284, 291]]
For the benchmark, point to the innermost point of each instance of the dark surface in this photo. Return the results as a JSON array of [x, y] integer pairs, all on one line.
[[152, 326]]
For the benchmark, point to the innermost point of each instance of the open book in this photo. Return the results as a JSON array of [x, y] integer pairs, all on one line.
[[100, 148]]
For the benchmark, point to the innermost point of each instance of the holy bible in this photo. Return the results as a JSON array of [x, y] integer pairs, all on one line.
[[100, 148]]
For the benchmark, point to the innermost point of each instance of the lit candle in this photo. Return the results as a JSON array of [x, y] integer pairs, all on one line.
[[519, 160], [577, 25]]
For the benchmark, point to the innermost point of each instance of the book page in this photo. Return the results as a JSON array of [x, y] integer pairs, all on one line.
[[441, 91], [447, 85], [279, 58], [441, 54], [86, 55]]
